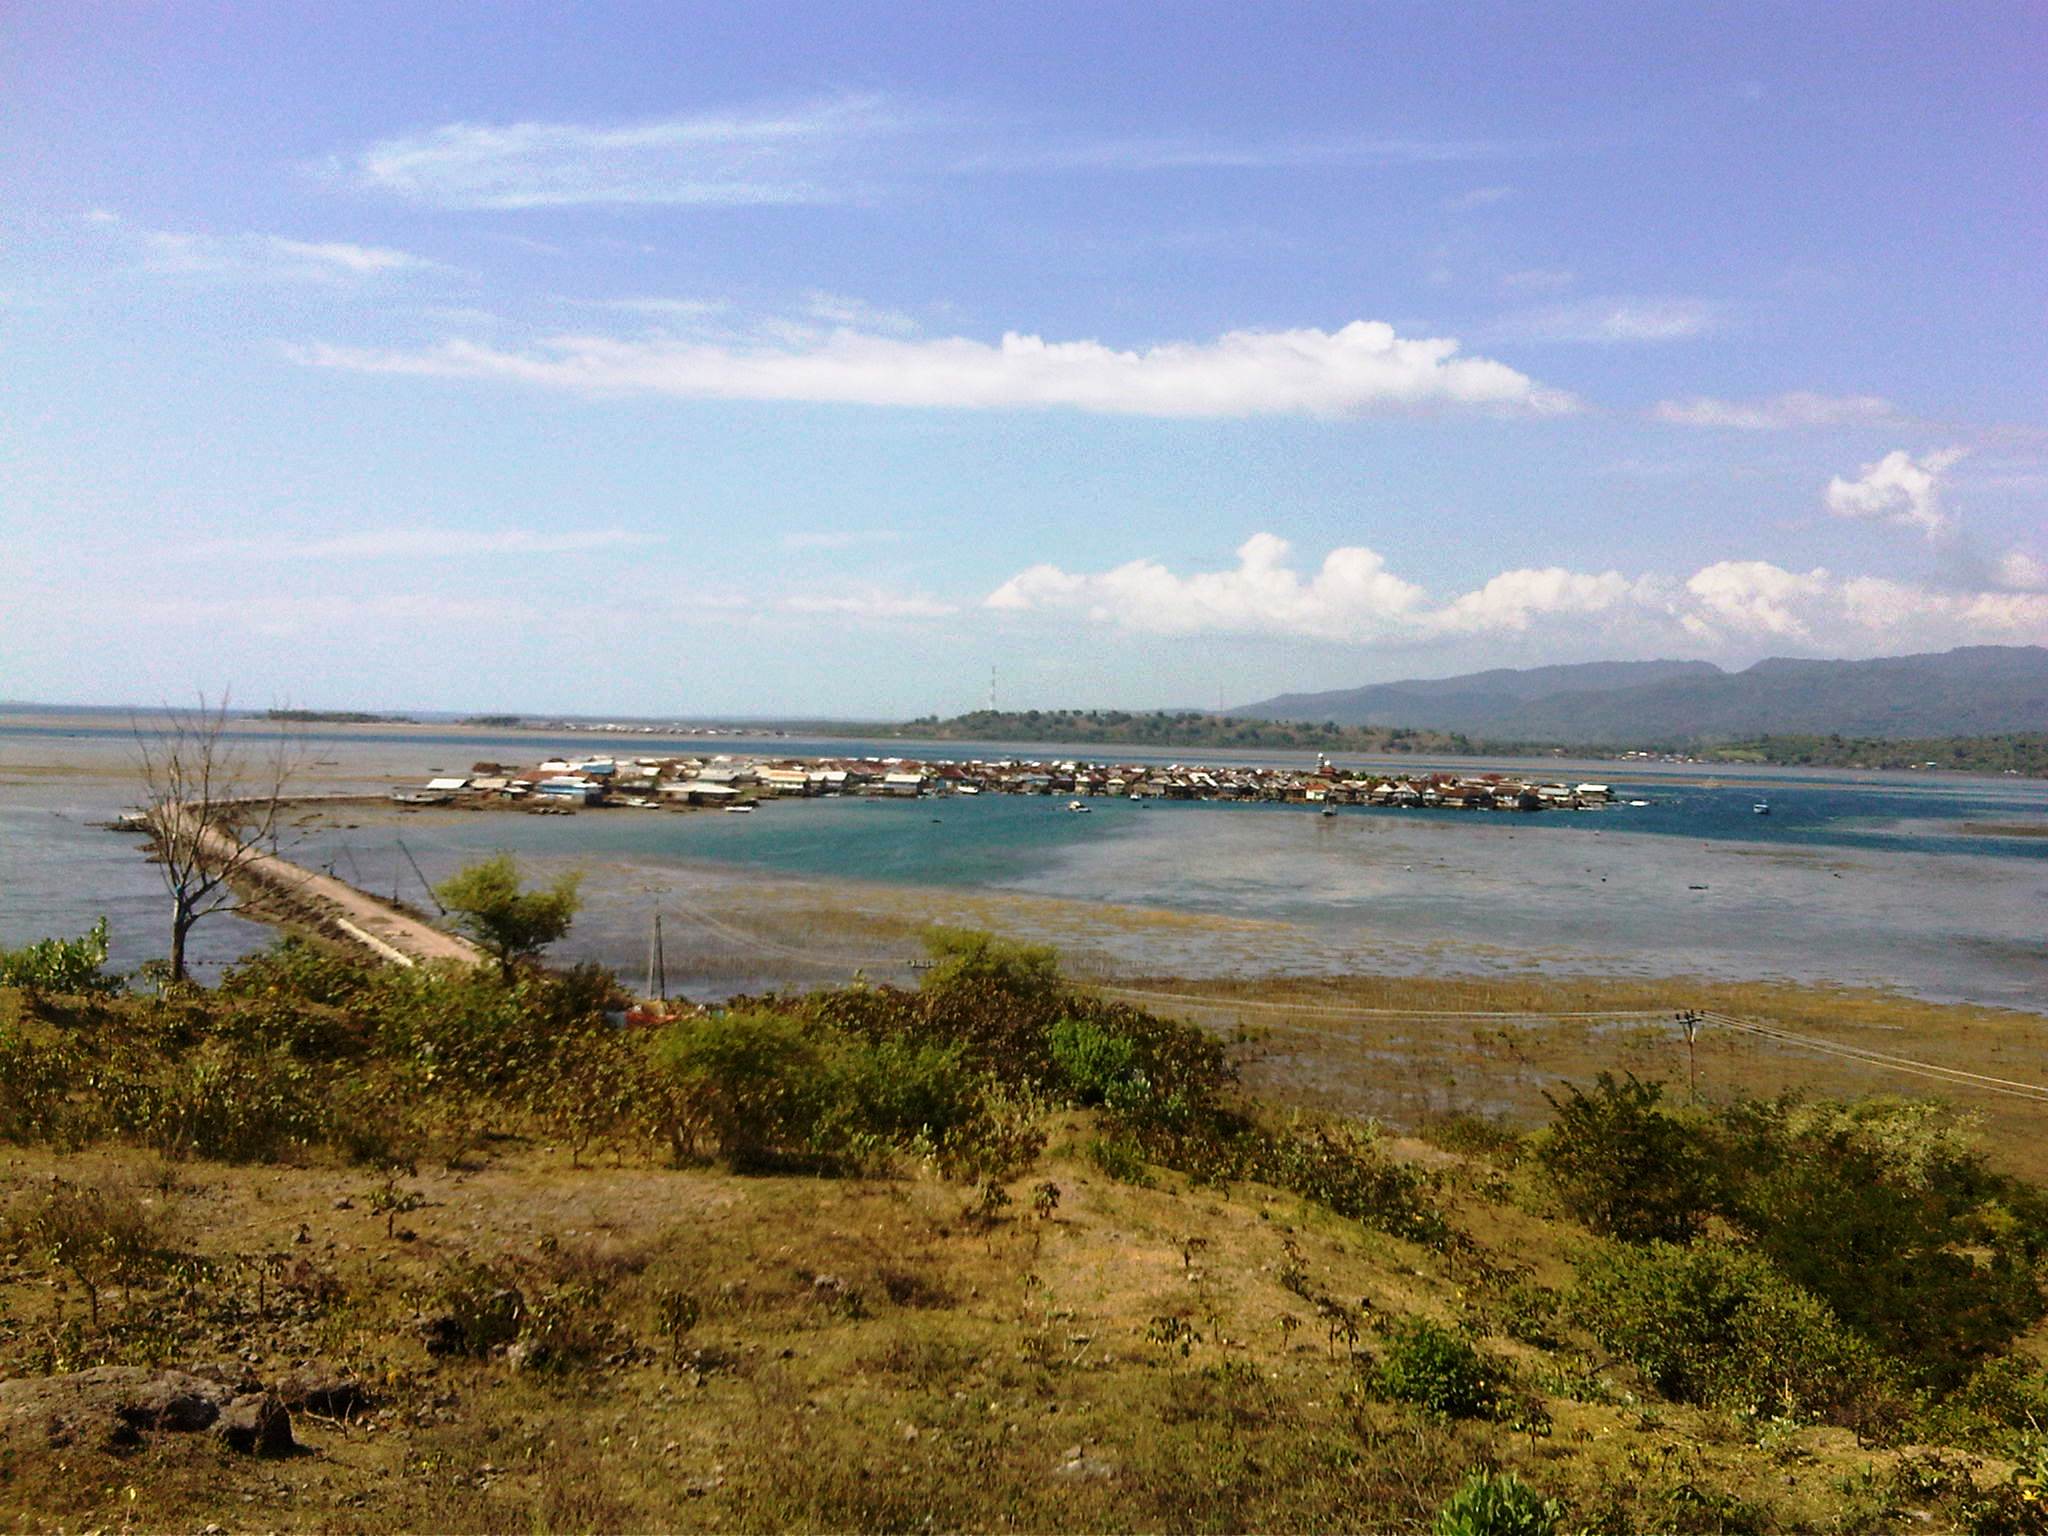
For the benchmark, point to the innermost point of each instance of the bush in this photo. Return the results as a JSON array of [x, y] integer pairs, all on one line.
[[1340, 1166], [1719, 1325], [1623, 1166], [1886, 1211], [68, 967], [758, 1079], [296, 971], [1497, 1504], [98, 1237], [1095, 1066], [1438, 1369], [969, 960]]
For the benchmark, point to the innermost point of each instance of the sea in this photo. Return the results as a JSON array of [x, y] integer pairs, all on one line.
[[1931, 885]]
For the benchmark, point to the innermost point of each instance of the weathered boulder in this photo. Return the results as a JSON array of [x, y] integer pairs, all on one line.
[[112, 1406], [325, 1389], [257, 1424]]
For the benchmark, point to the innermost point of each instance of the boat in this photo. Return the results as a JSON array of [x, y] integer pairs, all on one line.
[[1762, 808], [739, 810], [1639, 802], [1329, 810], [1077, 807]]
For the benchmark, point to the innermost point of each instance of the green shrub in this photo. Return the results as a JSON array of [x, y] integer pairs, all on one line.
[[1438, 1369], [38, 1080], [1497, 1504], [293, 969], [1095, 1066], [68, 967], [1625, 1167], [1719, 1325], [220, 1103], [100, 1237], [1887, 1211], [969, 960], [758, 1079], [1120, 1157], [1341, 1166]]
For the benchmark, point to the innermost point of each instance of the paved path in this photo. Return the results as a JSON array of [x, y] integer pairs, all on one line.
[[338, 909]]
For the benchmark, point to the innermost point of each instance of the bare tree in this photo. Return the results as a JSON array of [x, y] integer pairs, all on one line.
[[210, 806]]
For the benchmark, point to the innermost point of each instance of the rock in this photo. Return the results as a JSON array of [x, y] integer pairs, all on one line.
[[1078, 1466], [257, 1424], [111, 1405], [328, 1390], [442, 1333]]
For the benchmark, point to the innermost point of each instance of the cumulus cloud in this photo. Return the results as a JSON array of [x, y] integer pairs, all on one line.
[[1362, 368], [1353, 598], [1754, 597], [1778, 413], [1899, 490], [1513, 600]]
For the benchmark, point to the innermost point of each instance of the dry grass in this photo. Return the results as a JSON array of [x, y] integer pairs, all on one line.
[[862, 1359]]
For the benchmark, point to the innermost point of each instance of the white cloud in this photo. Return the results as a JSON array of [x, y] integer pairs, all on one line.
[[1355, 599], [1754, 597], [1514, 599], [1353, 596], [2018, 571], [1899, 490], [1362, 368], [1777, 413], [422, 544], [813, 152], [1612, 320], [826, 150], [271, 257]]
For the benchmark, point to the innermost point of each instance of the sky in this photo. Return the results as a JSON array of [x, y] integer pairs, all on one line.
[[865, 360]]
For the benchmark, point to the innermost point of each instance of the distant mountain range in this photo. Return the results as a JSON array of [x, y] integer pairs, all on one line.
[[1978, 690]]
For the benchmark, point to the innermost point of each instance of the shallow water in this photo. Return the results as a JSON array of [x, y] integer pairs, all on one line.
[[1855, 879]]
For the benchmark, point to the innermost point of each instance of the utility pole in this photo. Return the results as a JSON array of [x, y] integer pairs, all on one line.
[[1689, 1021]]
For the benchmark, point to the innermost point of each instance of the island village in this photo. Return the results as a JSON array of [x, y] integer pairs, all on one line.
[[738, 783]]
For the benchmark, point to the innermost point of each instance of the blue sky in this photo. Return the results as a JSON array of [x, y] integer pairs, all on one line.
[[819, 358]]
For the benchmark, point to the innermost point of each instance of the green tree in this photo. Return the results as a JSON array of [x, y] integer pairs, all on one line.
[[1623, 1165], [512, 924]]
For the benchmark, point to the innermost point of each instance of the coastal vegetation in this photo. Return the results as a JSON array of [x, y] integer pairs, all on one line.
[[2023, 753], [999, 1250]]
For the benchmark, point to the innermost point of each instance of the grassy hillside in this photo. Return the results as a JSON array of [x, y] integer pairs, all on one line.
[[994, 1253]]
